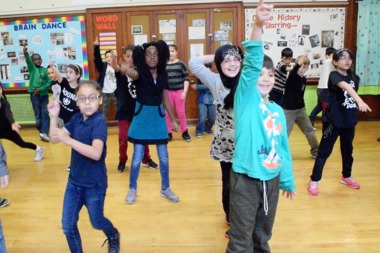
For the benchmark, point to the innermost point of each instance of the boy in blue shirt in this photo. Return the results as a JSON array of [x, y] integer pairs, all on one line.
[[262, 163]]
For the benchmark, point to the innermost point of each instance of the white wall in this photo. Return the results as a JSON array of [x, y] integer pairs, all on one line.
[[16, 8]]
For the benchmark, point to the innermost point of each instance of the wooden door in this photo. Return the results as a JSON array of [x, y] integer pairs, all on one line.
[[196, 42], [224, 28]]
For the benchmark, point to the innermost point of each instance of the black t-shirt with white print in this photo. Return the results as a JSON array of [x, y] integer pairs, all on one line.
[[68, 101], [342, 107]]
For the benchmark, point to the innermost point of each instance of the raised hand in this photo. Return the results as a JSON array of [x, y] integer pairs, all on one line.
[[53, 108], [262, 13], [96, 42]]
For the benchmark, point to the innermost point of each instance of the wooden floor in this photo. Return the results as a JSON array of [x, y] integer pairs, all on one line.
[[339, 220]]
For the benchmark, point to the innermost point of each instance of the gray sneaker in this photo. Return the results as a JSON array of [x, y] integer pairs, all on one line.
[[169, 195], [131, 197], [44, 137], [39, 154]]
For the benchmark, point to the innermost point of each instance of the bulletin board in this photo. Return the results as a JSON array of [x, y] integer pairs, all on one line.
[[62, 39], [301, 29]]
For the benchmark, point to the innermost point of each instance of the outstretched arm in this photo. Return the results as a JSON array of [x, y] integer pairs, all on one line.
[[363, 107]]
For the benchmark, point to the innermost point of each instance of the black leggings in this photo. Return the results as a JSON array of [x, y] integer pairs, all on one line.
[[226, 171], [11, 135]]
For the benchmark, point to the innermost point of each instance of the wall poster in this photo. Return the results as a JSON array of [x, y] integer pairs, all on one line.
[[62, 39], [301, 29]]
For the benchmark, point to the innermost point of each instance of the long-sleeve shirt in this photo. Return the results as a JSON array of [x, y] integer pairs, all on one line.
[[261, 141], [6, 116], [38, 77], [177, 75], [327, 67], [222, 146], [295, 87]]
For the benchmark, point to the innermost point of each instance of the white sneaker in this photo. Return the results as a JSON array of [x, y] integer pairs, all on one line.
[[39, 154], [44, 137], [131, 197], [169, 194]]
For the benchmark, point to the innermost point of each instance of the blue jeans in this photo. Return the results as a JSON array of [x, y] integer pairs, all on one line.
[[93, 199], [205, 123], [2, 240], [41, 114], [138, 153]]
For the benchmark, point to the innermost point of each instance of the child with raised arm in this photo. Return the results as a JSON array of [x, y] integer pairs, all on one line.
[[262, 164], [228, 61], [148, 125], [86, 134], [67, 96], [340, 121], [106, 77], [10, 130], [126, 99], [294, 105], [281, 74], [39, 83]]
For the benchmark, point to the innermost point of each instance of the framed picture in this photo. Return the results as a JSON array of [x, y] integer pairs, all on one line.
[[137, 29], [328, 38]]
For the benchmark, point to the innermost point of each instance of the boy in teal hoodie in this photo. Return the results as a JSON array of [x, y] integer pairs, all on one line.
[[262, 163]]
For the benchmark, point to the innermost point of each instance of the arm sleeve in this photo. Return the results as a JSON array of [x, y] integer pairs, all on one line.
[[205, 75], [283, 67], [286, 174], [98, 59], [252, 65], [7, 111], [29, 62], [292, 76], [185, 73]]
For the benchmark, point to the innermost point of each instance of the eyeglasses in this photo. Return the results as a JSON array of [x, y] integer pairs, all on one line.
[[91, 98], [233, 60], [344, 57], [151, 55]]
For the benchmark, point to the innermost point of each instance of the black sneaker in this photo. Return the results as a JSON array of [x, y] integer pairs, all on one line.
[[151, 164], [113, 243], [186, 136], [3, 202], [121, 167], [170, 137]]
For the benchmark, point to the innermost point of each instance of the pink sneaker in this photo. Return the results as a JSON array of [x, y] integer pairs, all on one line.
[[350, 182], [313, 187]]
